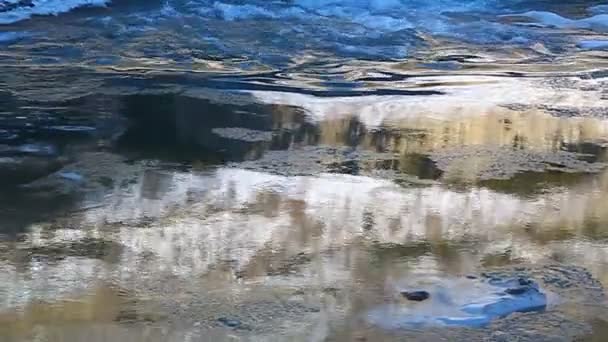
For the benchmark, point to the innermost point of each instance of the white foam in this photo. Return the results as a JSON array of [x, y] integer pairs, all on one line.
[[476, 96], [47, 7], [369, 28], [371, 4], [233, 12], [382, 15]]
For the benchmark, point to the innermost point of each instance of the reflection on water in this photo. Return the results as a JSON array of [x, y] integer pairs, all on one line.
[[259, 214], [280, 170]]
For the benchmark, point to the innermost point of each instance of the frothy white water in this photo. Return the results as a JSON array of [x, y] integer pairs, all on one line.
[[384, 15], [43, 7], [272, 32]]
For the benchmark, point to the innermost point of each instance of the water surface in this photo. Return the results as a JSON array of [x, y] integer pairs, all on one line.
[[279, 170]]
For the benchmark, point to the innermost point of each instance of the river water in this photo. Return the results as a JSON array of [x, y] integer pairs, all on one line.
[[280, 170]]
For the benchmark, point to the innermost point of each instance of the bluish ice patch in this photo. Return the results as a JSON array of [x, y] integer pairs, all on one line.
[[461, 302]]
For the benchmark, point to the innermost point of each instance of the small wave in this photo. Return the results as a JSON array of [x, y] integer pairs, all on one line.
[[273, 32], [593, 44], [8, 37], [599, 9], [12, 11], [598, 23], [233, 12]]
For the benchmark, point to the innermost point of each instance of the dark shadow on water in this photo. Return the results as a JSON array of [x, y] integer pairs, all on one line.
[[19, 208], [589, 152], [184, 128]]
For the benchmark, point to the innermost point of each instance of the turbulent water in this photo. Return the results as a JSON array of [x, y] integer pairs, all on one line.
[[189, 170]]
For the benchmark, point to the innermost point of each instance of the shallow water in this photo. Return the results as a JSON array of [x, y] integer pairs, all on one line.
[[255, 170]]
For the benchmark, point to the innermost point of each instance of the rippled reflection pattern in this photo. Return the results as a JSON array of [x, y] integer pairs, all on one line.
[[287, 170]]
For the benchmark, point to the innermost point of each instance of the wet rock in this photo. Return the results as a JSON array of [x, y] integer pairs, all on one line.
[[416, 296], [462, 302], [492, 298], [525, 282], [516, 290], [230, 322]]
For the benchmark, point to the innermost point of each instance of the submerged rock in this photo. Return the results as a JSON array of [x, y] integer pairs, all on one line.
[[416, 296], [230, 322], [462, 302], [489, 300]]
